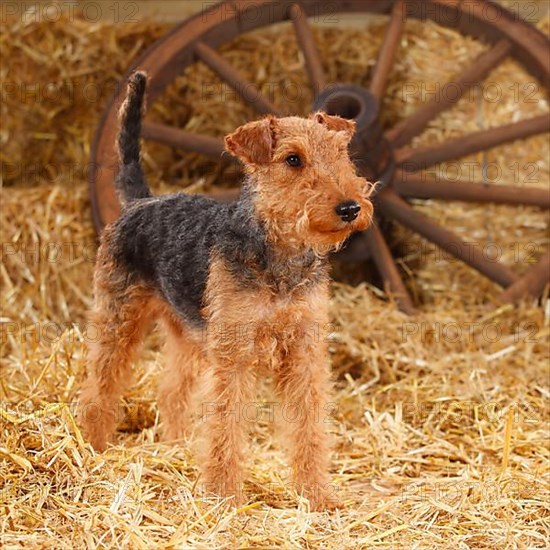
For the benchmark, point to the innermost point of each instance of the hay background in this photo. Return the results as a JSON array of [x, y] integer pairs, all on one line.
[[440, 443]]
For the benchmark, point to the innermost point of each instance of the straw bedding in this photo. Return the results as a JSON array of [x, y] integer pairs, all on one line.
[[441, 420]]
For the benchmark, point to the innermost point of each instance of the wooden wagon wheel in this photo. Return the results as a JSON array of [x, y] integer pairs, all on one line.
[[383, 156]]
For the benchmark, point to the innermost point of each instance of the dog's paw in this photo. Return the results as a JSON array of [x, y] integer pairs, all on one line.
[[326, 504]]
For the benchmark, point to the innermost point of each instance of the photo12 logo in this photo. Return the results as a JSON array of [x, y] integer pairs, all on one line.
[[70, 10], [468, 332]]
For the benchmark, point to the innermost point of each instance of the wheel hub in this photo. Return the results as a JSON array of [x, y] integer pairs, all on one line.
[[371, 151]]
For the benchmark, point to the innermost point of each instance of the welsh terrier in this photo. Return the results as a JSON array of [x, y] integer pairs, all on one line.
[[242, 289]]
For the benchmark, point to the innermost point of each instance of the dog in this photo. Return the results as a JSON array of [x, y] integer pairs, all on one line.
[[213, 271]]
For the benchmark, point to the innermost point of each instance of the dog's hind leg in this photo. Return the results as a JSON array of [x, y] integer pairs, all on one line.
[[120, 315], [184, 358]]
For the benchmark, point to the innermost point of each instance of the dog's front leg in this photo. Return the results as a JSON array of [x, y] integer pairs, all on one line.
[[302, 382], [231, 392]]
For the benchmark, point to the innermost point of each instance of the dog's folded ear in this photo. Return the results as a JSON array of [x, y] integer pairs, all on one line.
[[253, 142], [335, 123]]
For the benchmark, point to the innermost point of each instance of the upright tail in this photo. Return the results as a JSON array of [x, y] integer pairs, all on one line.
[[130, 182]]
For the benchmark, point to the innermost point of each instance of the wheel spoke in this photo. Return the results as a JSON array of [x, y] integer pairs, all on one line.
[[205, 145], [395, 207], [388, 49], [451, 92], [248, 91], [532, 283], [387, 268], [417, 159], [307, 45], [420, 187]]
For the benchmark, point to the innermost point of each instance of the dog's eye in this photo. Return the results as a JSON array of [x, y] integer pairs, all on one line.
[[294, 160]]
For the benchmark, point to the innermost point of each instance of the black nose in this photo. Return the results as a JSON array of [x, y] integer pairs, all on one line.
[[348, 210]]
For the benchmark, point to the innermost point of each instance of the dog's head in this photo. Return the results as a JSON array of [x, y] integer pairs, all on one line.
[[304, 185]]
